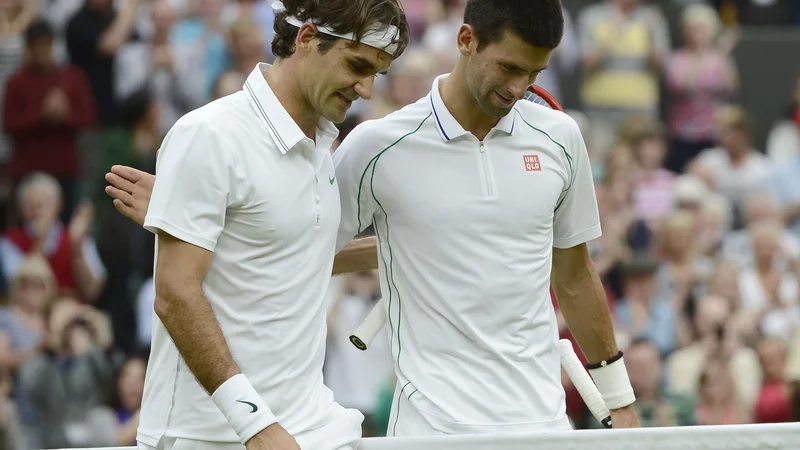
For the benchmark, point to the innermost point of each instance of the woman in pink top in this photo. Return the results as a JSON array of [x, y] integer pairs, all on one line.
[[700, 77], [718, 404]]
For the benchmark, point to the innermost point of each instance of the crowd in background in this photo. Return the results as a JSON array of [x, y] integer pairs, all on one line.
[[700, 252]]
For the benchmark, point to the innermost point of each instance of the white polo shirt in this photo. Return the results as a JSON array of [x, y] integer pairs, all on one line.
[[237, 177], [466, 231]]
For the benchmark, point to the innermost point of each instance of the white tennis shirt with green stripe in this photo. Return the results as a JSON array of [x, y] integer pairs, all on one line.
[[465, 233]]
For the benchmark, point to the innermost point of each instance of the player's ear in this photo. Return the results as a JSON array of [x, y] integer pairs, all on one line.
[[467, 40], [304, 41]]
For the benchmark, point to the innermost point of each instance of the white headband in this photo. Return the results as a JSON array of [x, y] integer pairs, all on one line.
[[380, 36]]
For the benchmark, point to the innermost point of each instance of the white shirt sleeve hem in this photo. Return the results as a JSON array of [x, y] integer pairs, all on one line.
[[579, 238], [154, 224]]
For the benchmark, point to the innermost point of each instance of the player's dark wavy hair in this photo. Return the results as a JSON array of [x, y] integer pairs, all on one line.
[[538, 22], [343, 16]]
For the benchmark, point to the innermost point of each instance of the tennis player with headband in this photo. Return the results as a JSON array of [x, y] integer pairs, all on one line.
[[479, 203], [247, 221]]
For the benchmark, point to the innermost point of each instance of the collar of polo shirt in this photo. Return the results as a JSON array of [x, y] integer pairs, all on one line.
[[283, 129], [448, 126]]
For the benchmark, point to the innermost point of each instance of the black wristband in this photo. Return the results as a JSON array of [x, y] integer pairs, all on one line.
[[613, 359]]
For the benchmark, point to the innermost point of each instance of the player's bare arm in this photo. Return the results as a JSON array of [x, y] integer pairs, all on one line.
[[131, 189], [358, 256], [183, 308], [582, 300], [187, 315]]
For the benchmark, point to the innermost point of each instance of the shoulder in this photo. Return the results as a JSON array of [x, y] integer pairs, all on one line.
[[210, 130], [374, 136], [558, 126]]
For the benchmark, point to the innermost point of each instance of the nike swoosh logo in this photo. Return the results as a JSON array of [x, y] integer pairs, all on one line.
[[332, 179], [252, 405]]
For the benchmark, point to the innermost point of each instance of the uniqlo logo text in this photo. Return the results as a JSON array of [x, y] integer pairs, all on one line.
[[532, 163]]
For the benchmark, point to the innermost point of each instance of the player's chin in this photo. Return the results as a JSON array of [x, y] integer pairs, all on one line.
[[335, 115]]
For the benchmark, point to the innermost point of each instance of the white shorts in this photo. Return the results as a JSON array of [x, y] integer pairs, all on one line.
[[406, 420], [341, 432]]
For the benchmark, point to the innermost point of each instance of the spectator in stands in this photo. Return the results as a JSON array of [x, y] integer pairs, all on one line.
[[440, 36], [769, 291], [773, 404], [245, 45], [716, 220], [656, 406], [700, 78], [724, 283], [11, 434], [783, 182], [16, 15], [563, 61], [94, 36], [261, 13], [718, 404], [23, 322], [155, 63], [712, 338], [684, 270], [737, 246], [200, 38], [355, 377], [409, 79], [783, 142], [623, 45], [654, 185], [71, 252], [228, 83], [128, 250], [735, 167], [44, 108], [641, 313], [128, 399], [66, 384]]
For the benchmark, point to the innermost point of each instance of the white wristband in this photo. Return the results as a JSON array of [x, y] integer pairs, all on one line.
[[614, 385], [245, 410]]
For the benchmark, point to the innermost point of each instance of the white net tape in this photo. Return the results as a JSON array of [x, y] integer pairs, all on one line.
[[728, 437]]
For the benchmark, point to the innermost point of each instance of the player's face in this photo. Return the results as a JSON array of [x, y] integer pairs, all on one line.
[[341, 75], [499, 74]]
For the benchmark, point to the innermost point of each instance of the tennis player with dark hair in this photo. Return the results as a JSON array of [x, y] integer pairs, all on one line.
[[247, 219], [479, 203]]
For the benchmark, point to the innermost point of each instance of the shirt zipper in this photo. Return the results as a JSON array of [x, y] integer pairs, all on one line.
[[486, 172]]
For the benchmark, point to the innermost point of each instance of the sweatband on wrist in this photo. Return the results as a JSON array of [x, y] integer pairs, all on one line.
[[245, 410], [613, 383]]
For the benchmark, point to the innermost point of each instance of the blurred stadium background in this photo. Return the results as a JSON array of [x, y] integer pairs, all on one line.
[[690, 110]]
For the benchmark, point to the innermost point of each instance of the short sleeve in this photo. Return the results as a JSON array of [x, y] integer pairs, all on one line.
[[577, 219], [353, 166], [194, 177]]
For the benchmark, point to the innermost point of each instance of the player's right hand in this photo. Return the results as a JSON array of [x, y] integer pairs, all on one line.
[[274, 437], [130, 188]]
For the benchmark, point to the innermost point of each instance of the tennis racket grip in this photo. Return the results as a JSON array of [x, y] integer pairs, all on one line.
[[583, 383], [372, 325]]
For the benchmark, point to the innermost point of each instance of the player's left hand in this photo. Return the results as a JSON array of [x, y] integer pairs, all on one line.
[[625, 417]]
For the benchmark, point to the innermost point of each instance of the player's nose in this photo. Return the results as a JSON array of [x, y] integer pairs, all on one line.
[[518, 90], [364, 87]]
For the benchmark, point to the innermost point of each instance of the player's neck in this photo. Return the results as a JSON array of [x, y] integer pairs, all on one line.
[[462, 105], [282, 79]]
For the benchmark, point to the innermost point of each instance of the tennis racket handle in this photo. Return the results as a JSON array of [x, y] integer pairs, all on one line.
[[372, 325], [583, 383]]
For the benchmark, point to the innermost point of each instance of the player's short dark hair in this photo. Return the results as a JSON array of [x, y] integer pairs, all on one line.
[[540, 23], [343, 16], [37, 30]]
